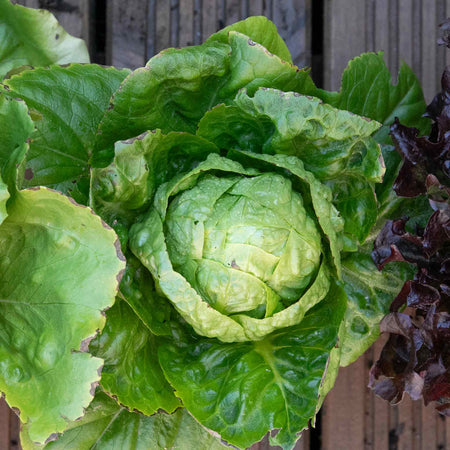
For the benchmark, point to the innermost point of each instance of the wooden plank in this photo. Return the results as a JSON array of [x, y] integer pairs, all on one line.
[[381, 29], [221, 13], [340, 45], [27, 3], [186, 22], [429, 431], [447, 432], [403, 29], [403, 429], [4, 425], [393, 36], [417, 37], [343, 427], [198, 21], [244, 9], [369, 404], [256, 8], [405, 43], [14, 431], [441, 51], [232, 11], [293, 20], [440, 432], [429, 47], [447, 53], [210, 20], [381, 417], [162, 25], [127, 33], [174, 23], [150, 37], [377, 422], [268, 7]]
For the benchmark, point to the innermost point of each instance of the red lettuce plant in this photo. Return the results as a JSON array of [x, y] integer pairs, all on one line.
[[416, 357]]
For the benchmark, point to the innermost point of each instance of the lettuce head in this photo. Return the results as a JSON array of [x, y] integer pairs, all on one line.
[[241, 198]]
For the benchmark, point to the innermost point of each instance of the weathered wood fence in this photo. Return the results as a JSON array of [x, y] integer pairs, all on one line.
[[323, 34]]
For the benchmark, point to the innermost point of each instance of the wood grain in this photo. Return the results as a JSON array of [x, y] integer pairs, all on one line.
[[186, 22], [344, 408], [4, 425], [406, 30], [293, 20], [210, 20], [127, 32]]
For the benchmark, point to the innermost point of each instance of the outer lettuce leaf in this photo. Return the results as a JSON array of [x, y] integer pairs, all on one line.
[[16, 127], [242, 390], [108, 426], [252, 67], [131, 372], [259, 29], [334, 145], [370, 293], [355, 199], [333, 363], [67, 104], [138, 290], [366, 89], [176, 88], [59, 269], [29, 36]]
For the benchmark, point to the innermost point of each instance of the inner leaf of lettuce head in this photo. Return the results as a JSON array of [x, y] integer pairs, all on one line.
[[246, 244]]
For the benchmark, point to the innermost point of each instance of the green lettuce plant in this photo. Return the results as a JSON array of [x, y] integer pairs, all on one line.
[[233, 201]]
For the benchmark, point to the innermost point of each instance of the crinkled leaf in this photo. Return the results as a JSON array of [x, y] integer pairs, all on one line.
[[108, 426], [334, 145], [59, 270], [242, 390], [415, 359], [171, 92], [131, 372], [252, 67], [16, 127], [66, 104], [259, 29], [327, 216], [420, 157], [370, 293], [29, 36], [126, 187], [327, 140], [178, 86], [367, 90], [395, 243]]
